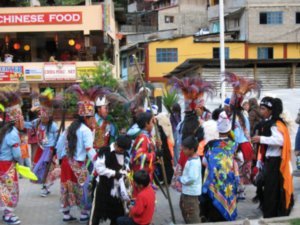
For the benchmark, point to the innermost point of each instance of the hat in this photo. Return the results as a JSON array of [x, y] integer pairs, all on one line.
[[101, 101], [267, 102], [193, 89], [86, 98], [154, 109], [227, 102], [11, 102], [223, 123]]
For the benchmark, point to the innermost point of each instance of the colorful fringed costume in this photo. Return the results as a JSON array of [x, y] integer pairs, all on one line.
[[46, 137], [75, 176], [240, 123], [193, 90], [143, 153], [10, 152], [221, 179]]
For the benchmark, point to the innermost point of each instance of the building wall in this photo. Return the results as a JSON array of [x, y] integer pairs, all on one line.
[[293, 51], [278, 50], [171, 11], [189, 16], [229, 6], [288, 31], [187, 49]]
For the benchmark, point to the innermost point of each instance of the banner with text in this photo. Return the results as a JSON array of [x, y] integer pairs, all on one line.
[[60, 71], [88, 71], [11, 73], [33, 74], [40, 18]]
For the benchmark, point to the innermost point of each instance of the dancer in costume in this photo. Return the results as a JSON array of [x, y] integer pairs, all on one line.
[[274, 139], [106, 131], [241, 126], [143, 153], [113, 163], [10, 152], [46, 130], [193, 89], [74, 146], [220, 184]]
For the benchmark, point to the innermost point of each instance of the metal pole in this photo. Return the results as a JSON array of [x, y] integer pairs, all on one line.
[[157, 138], [222, 50]]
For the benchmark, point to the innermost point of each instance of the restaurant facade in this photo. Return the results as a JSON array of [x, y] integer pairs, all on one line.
[[53, 46]]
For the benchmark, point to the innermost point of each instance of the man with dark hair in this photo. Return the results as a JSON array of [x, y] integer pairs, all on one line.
[[273, 138], [112, 164], [142, 207]]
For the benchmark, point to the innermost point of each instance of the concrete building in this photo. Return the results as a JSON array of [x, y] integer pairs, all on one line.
[[259, 21], [51, 45], [261, 41], [186, 16]]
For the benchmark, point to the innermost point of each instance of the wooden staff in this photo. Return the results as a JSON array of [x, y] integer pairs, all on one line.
[[157, 139]]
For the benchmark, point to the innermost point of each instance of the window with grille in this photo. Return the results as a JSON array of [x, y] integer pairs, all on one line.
[[166, 55], [270, 18]]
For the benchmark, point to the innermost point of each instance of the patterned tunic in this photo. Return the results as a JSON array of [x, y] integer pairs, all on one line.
[[221, 177]]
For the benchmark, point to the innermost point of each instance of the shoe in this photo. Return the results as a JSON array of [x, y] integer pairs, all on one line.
[[70, 219], [84, 218], [45, 192], [11, 219]]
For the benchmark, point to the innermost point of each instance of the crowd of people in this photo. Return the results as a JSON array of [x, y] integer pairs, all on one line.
[[209, 157]]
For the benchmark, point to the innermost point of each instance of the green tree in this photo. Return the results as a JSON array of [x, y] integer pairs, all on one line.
[[103, 76]]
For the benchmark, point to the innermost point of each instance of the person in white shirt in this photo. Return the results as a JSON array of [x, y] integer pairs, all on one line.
[[274, 155]]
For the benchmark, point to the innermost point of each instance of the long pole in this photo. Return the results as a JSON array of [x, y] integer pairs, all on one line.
[[222, 50], [157, 138]]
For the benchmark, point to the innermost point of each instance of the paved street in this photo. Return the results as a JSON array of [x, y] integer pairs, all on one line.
[[35, 210]]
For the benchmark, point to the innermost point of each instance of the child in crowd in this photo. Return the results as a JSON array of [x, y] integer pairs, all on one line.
[[142, 207], [25, 159], [191, 181]]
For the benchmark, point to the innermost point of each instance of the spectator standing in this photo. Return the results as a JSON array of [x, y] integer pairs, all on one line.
[[191, 181]]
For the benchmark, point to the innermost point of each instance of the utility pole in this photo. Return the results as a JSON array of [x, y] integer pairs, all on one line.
[[222, 51]]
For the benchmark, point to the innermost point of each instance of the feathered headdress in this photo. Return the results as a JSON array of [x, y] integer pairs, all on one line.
[[11, 102], [130, 94], [193, 89], [86, 98], [241, 86]]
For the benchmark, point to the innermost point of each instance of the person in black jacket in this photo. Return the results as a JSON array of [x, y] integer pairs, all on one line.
[[112, 164]]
